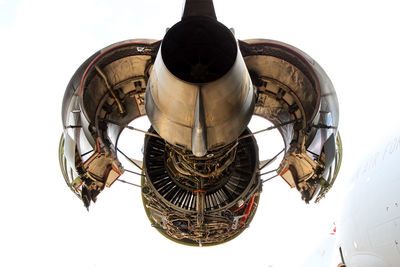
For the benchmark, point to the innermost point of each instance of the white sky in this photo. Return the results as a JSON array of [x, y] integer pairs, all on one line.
[[43, 42]]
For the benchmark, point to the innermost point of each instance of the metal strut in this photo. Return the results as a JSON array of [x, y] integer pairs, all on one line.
[[268, 129], [128, 158], [102, 75], [130, 127]]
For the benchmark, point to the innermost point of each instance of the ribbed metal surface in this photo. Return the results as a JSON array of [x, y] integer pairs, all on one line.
[[185, 198]]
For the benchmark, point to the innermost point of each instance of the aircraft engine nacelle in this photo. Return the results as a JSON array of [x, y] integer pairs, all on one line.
[[201, 176]]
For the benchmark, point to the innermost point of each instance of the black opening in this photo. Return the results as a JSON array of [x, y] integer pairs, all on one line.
[[199, 50]]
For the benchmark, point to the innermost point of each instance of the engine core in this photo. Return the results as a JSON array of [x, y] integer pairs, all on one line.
[[200, 201]]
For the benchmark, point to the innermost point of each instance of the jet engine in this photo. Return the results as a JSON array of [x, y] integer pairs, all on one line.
[[201, 176]]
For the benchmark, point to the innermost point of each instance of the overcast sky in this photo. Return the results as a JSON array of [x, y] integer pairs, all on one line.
[[43, 42]]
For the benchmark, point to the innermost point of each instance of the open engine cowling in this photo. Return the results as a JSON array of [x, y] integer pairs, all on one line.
[[199, 86]]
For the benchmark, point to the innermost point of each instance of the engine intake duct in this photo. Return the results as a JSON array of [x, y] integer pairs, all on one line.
[[199, 50], [199, 96]]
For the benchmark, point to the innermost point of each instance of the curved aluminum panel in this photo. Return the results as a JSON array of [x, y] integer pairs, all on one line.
[[227, 105], [292, 87]]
